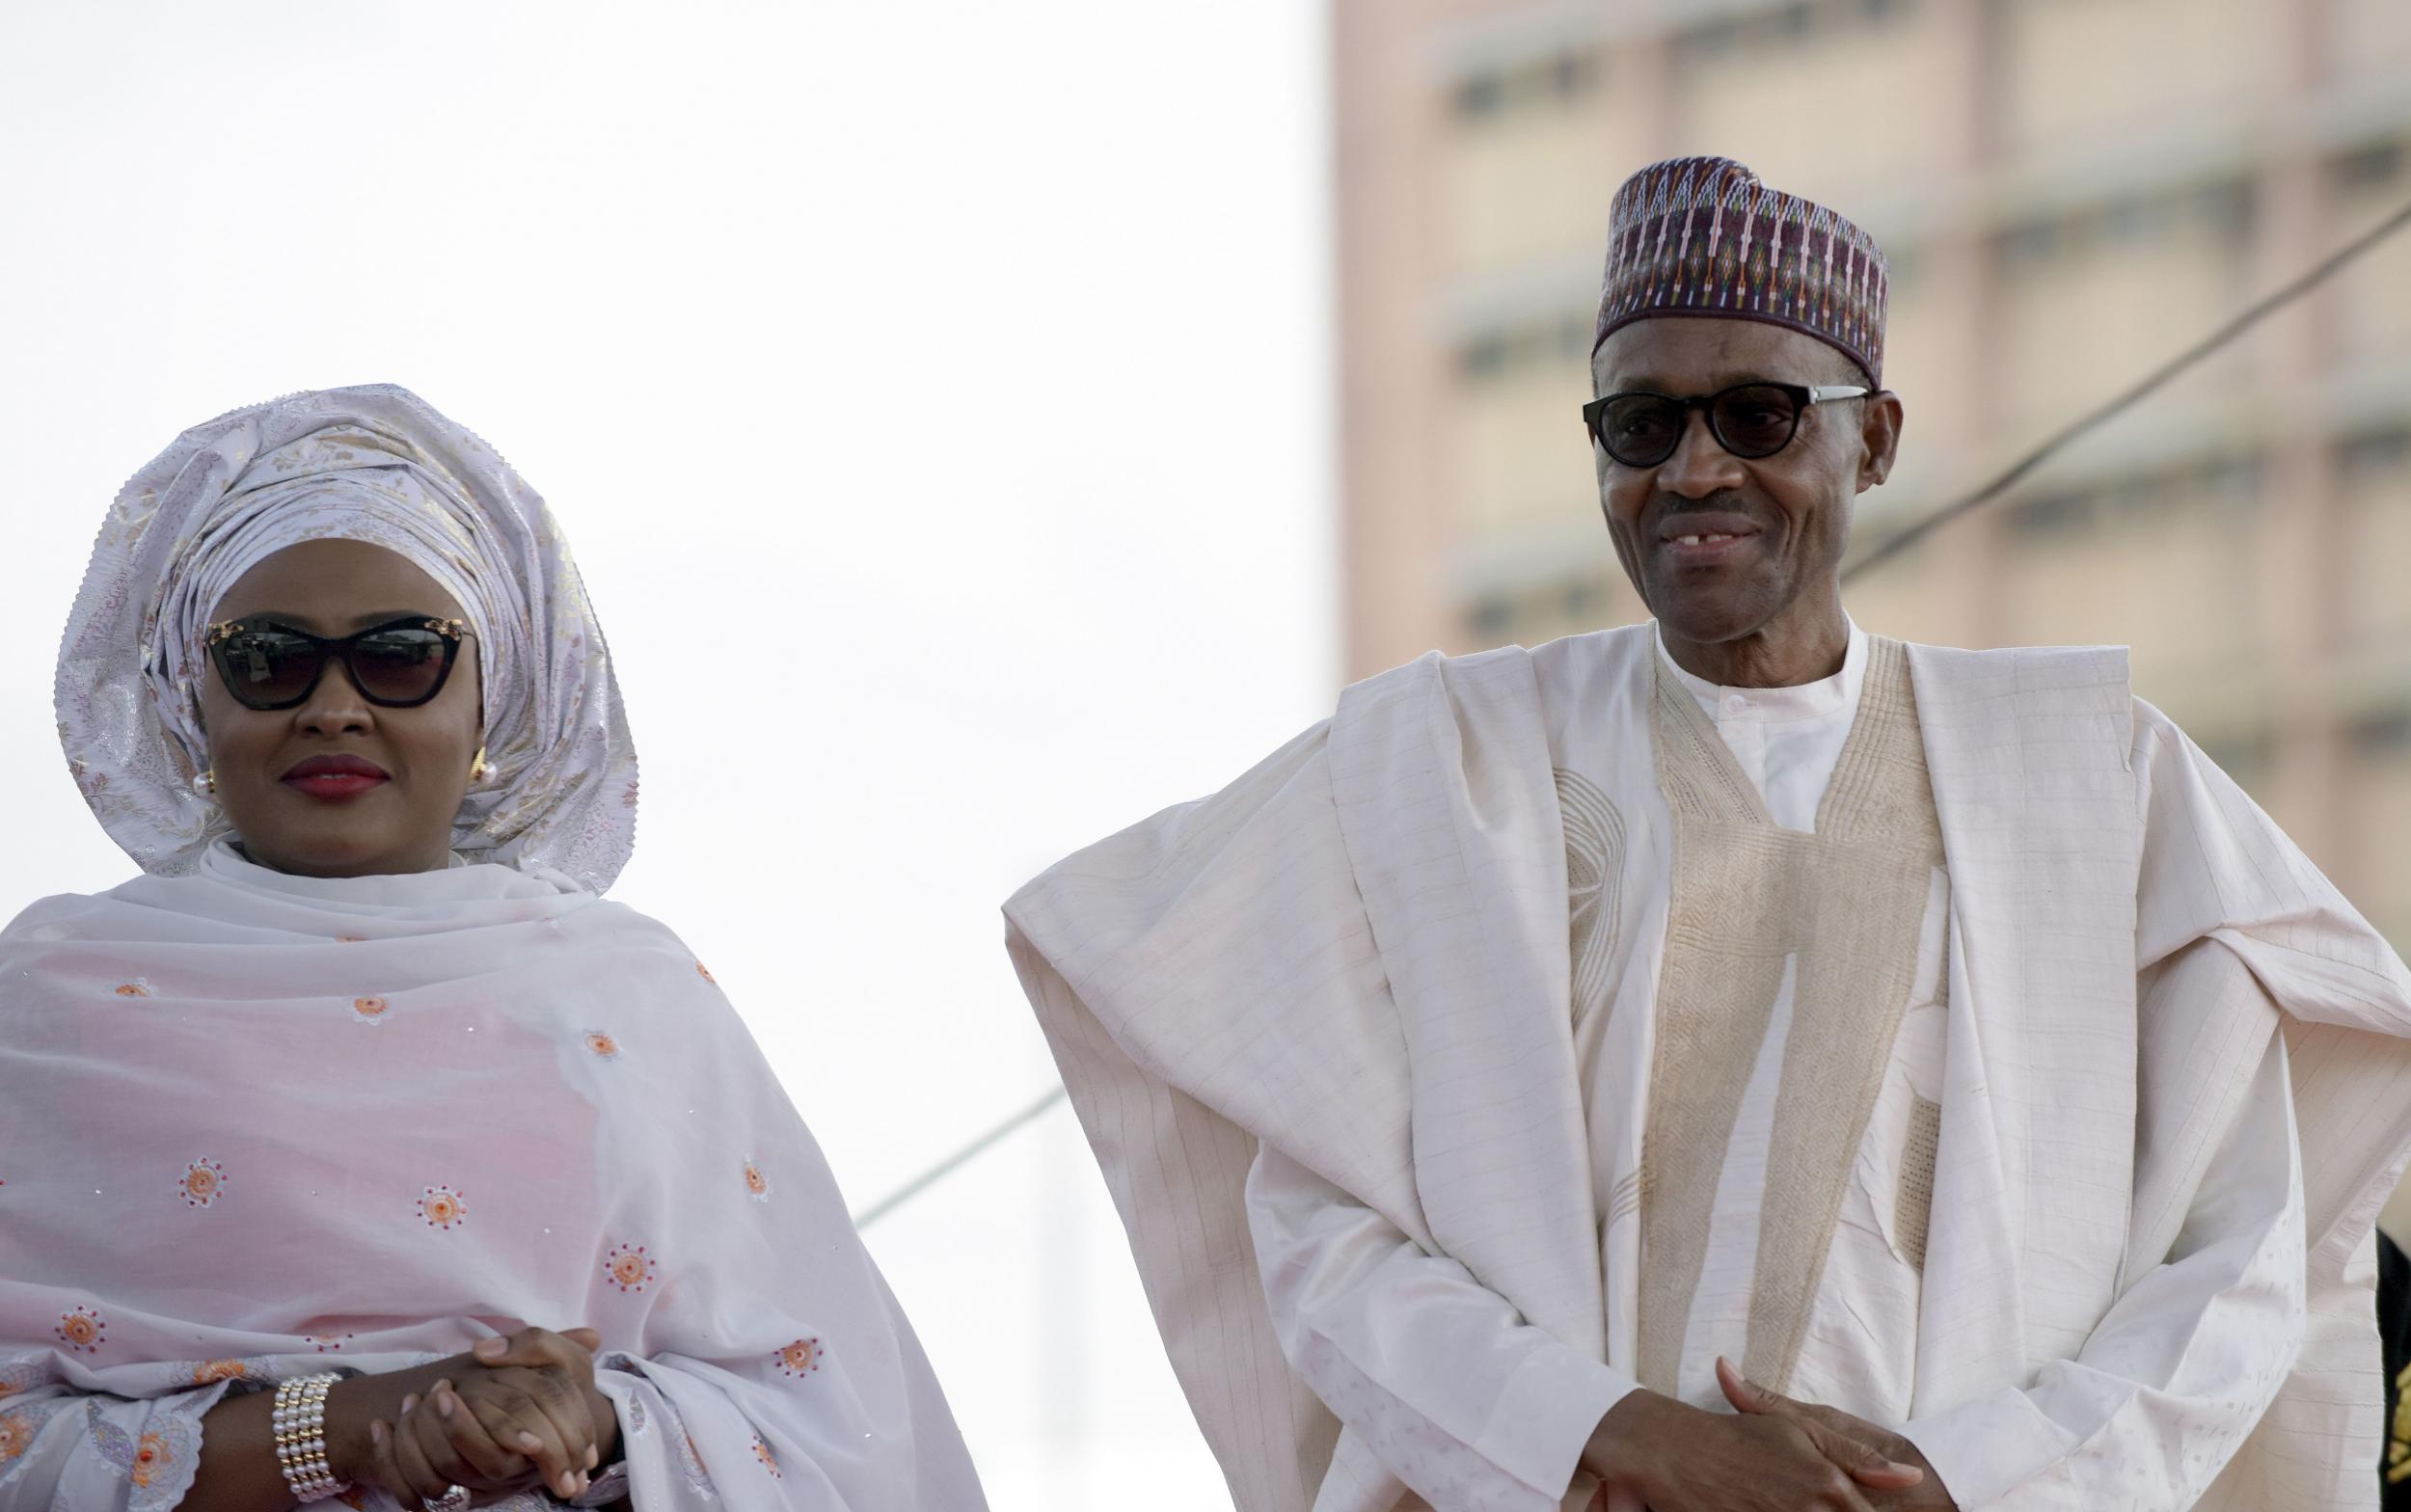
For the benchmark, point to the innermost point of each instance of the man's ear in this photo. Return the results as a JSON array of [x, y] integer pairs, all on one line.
[[1879, 435]]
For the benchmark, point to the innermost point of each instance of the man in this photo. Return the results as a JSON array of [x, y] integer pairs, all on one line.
[[1739, 1062]]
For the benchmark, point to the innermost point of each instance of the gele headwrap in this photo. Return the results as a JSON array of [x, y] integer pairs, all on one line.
[[372, 464], [1703, 236]]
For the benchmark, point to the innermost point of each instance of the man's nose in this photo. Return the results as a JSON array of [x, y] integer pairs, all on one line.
[[1700, 465]]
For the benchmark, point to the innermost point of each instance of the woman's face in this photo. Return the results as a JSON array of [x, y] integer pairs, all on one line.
[[400, 824]]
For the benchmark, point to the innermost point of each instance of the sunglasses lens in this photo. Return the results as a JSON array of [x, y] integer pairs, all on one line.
[[1756, 421], [264, 669], [1641, 430], [399, 666]]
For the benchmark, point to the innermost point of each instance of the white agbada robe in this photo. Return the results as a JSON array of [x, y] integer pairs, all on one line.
[[1355, 962]]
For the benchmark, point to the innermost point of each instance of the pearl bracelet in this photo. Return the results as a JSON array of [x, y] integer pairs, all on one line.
[[300, 1419]]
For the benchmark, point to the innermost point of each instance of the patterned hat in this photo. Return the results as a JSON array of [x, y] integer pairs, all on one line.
[[1703, 236]]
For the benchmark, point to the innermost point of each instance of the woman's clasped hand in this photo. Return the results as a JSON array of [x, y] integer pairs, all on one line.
[[513, 1414]]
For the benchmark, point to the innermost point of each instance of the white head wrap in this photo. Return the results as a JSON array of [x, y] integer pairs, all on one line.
[[372, 464]]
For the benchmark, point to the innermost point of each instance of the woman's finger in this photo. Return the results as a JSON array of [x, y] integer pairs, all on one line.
[[465, 1429], [419, 1479], [382, 1468], [565, 1405], [425, 1431], [536, 1347], [518, 1421]]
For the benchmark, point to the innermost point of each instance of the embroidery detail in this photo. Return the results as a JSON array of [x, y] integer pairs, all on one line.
[[704, 972], [202, 1182], [770, 1461], [209, 1370], [83, 1331], [1594, 884], [604, 1046], [19, 1427], [370, 1010], [634, 1417], [351, 939], [757, 1185], [800, 1358], [323, 1342], [443, 1208], [691, 1462], [140, 987], [1914, 1207], [630, 1268], [148, 1459], [19, 1376]]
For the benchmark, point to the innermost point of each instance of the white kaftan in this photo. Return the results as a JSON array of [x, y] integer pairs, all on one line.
[[1862, 1335], [1356, 959]]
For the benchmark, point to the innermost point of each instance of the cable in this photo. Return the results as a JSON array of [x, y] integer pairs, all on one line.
[[2153, 381], [1892, 546], [948, 1166]]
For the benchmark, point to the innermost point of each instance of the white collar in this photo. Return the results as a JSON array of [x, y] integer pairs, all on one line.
[[1820, 700]]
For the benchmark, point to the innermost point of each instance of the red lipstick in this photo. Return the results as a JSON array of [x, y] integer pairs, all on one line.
[[336, 778]]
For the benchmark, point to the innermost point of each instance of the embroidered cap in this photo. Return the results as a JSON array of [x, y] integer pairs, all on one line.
[[1703, 236]]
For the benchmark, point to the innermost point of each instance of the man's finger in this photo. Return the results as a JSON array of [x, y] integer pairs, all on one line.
[[1870, 1468], [1737, 1388], [1832, 1431]]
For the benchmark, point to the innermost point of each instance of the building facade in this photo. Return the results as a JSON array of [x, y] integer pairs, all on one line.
[[2070, 192]]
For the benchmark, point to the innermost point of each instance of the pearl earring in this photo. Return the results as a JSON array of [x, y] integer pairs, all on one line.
[[206, 783], [479, 769]]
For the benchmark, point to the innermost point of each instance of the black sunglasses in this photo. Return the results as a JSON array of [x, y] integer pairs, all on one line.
[[1749, 420], [398, 665]]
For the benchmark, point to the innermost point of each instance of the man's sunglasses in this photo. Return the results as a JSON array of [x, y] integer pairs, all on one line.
[[1749, 420], [398, 665]]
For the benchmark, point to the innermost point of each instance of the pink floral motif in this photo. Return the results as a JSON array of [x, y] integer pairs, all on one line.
[[800, 1358], [443, 1208], [770, 1461], [351, 939], [630, 1268], [209, 1370], [757, 1185], [83, 1331], [603, 1045], [140, 987], [705, 972], [202, 1182], [370, 1010]]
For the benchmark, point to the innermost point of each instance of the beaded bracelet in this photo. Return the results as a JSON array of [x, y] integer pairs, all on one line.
[[300, 1418]]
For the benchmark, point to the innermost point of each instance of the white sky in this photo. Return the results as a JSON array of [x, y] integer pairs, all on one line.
[[937, 397]]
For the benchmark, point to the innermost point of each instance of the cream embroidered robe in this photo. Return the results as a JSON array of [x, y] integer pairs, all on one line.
[[1356, 958]]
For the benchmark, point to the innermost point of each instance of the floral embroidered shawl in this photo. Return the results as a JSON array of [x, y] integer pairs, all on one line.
[[253, 1126]]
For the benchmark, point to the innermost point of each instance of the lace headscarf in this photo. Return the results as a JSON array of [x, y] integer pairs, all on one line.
[[372, 464]]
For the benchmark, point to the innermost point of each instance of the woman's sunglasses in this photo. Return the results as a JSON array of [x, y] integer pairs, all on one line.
[[398, 665]]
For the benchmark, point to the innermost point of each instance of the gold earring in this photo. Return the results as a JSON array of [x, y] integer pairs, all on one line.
[[206, 783], [479, 769]]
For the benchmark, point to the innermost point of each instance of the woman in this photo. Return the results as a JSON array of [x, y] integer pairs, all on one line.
[[359, 1150]]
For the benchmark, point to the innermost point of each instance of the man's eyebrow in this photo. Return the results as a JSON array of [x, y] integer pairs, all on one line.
[[1652, 383]]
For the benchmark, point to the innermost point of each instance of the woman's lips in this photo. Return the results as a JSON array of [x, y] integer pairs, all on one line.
[[335, 786], [336, 778]]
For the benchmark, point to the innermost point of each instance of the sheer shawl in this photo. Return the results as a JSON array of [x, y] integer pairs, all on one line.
[[256, 1125]]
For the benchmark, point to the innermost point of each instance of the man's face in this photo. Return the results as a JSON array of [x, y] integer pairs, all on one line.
[[1723, 547]]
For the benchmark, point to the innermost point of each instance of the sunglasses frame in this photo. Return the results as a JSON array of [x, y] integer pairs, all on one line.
[[1803, 398], [330, 648]]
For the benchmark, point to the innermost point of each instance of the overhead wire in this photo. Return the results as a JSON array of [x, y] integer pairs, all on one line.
[[1884, 551]]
